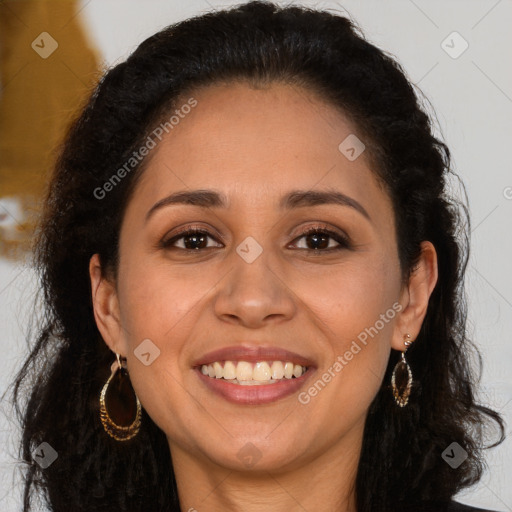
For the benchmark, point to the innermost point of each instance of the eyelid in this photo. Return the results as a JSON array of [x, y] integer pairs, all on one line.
[[320, 226], [193, 227]]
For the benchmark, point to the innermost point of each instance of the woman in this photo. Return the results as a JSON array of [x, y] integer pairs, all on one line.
[[253, 283]]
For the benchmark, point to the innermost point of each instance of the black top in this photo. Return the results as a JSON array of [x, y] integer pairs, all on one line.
[[459, 507], [452, 506]]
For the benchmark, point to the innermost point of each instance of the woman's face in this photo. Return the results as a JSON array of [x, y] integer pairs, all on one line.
[[249, 284]]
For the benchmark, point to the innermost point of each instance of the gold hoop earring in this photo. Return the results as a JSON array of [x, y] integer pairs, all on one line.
[[122, 404], [401, 379]]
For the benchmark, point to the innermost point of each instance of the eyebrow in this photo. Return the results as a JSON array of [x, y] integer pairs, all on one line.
[[292, 200]]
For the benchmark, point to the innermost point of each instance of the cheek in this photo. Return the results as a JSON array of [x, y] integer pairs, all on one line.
[[163, 305], [157, 301], [354, 309], [351, 297]]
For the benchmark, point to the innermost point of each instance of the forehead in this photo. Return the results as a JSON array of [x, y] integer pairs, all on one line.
[[256, 145]]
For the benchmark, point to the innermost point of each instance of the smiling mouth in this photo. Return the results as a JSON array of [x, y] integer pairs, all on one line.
[[256, 373]]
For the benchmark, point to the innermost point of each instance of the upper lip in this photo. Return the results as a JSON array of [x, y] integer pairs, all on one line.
[[253, 354]]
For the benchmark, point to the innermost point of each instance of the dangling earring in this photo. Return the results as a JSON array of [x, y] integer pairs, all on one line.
[[403, 375], [122, 402]]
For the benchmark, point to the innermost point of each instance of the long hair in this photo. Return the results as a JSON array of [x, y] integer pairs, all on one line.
[[258, 43]]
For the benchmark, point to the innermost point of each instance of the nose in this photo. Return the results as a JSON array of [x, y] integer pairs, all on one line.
[[253, 294]]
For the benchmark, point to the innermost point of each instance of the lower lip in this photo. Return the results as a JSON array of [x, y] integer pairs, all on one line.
[[255, 395]]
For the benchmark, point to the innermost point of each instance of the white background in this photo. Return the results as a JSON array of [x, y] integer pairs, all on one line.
[[472, 96]]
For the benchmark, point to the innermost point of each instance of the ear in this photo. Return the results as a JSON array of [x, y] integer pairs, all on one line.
[[415, 296], [106, 307]]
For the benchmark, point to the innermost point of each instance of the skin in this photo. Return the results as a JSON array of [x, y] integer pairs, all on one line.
[[255, 145]]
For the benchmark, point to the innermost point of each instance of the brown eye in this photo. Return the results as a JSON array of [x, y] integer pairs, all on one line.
[[193, 240], [320, 240]]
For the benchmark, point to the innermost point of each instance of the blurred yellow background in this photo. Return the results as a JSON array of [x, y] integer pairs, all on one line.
[[47, 70]]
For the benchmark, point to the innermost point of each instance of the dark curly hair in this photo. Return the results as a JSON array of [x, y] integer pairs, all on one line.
[[259, 43]]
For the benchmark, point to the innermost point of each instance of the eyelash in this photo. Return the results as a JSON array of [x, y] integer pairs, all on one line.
[[342, 240]]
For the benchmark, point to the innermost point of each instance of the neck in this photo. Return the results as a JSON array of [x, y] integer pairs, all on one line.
[[324, 484]]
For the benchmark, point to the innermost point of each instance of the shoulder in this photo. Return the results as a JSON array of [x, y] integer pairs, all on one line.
[[452, 506], [459, 507]]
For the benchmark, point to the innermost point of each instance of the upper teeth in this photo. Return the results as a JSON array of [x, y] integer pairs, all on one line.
[[261, 371]]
